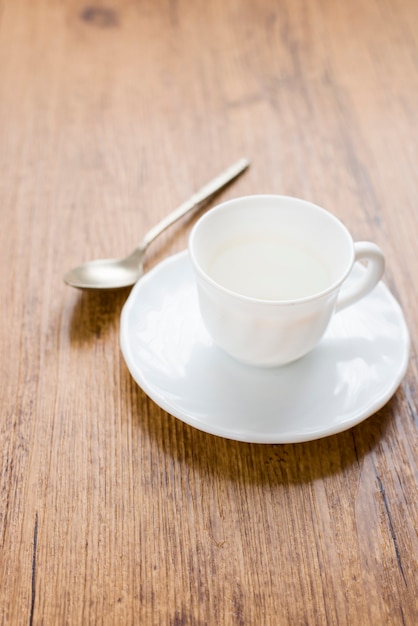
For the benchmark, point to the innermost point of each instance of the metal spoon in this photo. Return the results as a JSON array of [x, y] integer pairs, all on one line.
[[115, 273]]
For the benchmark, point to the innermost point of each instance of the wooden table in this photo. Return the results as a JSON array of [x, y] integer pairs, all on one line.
[[111, 113]]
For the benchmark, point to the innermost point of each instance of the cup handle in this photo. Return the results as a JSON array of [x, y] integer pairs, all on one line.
[[364, 251]]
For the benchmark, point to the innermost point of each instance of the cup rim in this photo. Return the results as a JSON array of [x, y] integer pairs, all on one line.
[[264, 301]]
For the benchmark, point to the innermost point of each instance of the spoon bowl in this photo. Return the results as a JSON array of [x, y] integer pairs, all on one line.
[[118, 273], [105, 274]]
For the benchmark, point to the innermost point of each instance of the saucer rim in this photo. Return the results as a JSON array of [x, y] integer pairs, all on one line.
[[245, 436]]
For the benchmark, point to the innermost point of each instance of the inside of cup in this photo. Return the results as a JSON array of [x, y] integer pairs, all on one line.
[[258, 224]]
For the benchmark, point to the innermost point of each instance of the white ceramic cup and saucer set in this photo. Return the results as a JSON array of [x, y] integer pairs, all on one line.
[[269, 328]]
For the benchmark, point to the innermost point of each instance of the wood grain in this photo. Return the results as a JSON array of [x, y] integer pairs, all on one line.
[[111, 113]]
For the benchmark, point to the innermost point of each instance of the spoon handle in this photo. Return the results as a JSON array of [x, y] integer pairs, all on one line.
[[197, 198]]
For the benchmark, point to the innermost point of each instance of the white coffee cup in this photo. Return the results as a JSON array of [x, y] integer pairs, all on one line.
[[270, 273]]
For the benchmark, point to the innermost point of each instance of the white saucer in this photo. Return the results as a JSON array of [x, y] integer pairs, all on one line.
[[351, 374]]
